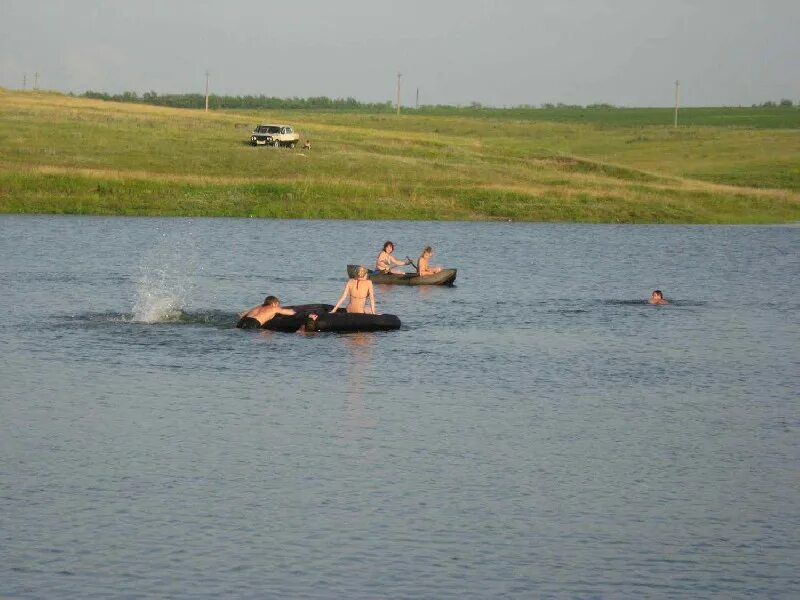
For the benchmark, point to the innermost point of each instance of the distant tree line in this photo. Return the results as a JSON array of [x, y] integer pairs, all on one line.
[[314, 102], [323, 102], [246, 102], [785, 103], [547, 105]]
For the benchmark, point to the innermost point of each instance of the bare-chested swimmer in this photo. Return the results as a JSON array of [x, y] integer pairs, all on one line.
[[657, 298], [258, 315], [359, 289]]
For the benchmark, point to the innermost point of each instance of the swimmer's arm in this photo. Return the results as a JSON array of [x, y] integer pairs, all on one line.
[[285, 311], [371, 296], [341, 299]]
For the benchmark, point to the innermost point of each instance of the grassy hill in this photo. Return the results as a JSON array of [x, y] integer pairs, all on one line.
[[68, 155]]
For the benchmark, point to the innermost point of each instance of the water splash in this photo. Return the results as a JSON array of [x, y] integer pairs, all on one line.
[[165, 281], [156, 305]]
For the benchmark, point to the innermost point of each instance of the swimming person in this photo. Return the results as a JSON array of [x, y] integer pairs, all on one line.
[[386, 261], [423, 268], [359, 289], [657, 298], [258, 315]]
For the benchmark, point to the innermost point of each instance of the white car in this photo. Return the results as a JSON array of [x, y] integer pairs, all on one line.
[[274, 135]]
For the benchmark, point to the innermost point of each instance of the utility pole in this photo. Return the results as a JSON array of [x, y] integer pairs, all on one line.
[[417, 103], [24, 81], [207, 76], [677, 96], [36, 80], [399, 75]]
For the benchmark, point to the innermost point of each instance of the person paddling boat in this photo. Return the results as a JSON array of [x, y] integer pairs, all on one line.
[[385, 260]]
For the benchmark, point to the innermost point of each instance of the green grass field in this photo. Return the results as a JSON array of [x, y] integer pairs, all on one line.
[[69, 155]]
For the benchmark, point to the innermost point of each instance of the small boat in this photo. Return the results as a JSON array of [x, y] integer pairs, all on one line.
[[443, 277]]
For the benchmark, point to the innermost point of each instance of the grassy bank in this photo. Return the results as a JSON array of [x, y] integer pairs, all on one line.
[[78, 156]]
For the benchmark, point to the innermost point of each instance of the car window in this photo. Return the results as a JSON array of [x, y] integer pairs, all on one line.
[[273, 129], [288, 130]]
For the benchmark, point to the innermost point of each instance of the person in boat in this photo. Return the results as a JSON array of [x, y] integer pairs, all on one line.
[[258, 315], [423, 267], [358, 289], [657, 298], [385, 261]]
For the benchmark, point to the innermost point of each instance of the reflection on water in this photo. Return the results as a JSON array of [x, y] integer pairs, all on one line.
[[424, 291], [536, 431], [361, 367]]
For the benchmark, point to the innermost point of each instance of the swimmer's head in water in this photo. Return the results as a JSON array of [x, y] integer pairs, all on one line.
[[271, 301], [388, 245], [361, 272], [657, 295]]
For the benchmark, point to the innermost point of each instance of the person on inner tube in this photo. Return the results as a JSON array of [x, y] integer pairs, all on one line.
[[657, 298], [386, 261], [359, 289], [258, 315], [423, 268]]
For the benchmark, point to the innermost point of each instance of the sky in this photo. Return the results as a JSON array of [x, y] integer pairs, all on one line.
[[497, 53]]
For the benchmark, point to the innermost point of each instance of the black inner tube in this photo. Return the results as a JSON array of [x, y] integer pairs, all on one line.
[[340, 321], [350, 322]]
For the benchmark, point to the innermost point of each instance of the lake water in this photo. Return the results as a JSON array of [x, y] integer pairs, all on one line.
[[535, 431]]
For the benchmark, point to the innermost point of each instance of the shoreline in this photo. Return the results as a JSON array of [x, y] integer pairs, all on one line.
[[143, 215]]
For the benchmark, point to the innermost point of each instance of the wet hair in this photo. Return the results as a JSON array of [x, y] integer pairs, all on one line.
[[427, 249], [658, 293], [387, 244], [269, 300], [361, 271]]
